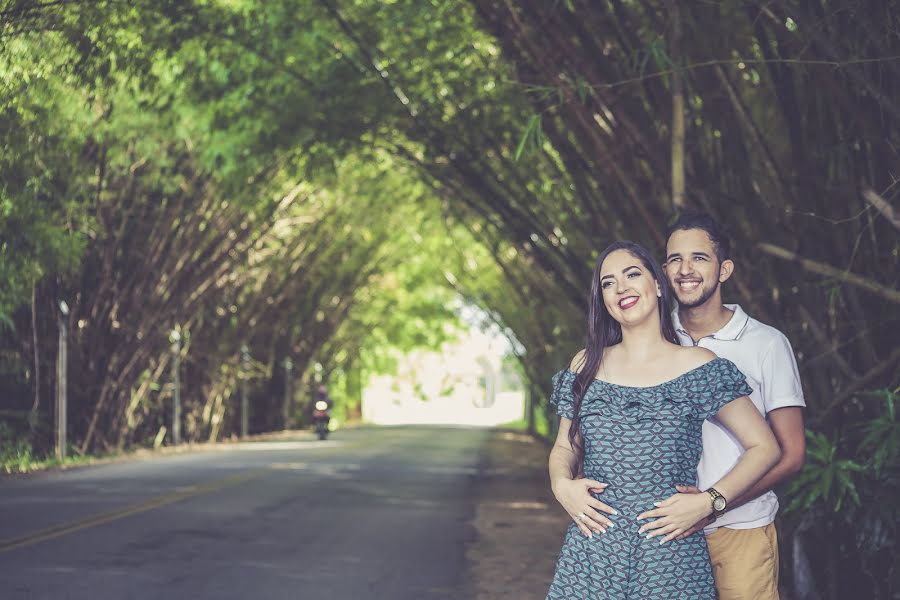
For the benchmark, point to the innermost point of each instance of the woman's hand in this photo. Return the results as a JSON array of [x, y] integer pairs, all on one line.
[[675, 515], [575, 496]]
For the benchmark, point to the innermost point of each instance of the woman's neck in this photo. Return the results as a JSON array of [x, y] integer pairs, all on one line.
[[643, 340]]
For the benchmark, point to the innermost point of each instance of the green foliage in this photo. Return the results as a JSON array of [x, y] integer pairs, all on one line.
[[854, 499], [15, 452], [826, 477]]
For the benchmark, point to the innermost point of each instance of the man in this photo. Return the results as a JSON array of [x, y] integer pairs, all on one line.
[[742, 540]]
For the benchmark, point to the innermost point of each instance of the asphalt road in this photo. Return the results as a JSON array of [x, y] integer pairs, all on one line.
[[378, 513]]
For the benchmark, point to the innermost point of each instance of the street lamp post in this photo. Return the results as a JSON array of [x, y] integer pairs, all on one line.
[[245, 404], [61, 380], [175, 337]]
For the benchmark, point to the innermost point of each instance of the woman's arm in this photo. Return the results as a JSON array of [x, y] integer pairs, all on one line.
[[574, 493], [679, 512]]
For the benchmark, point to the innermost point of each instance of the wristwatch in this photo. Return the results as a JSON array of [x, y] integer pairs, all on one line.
[[718, 501]]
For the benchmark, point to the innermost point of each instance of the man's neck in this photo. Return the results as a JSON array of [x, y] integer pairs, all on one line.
[[706, 319]]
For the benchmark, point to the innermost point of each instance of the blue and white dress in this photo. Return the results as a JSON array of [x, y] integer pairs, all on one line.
[[642, 441]]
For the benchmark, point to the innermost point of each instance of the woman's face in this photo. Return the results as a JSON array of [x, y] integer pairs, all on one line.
[[629, 291]]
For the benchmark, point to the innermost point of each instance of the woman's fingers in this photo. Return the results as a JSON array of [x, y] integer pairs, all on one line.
[[665, 530], [587, 525], [675, 533], [651, 514], [594, 520], [656, 524], [582, 527], [600, 506], [667, 502], [594, 484]]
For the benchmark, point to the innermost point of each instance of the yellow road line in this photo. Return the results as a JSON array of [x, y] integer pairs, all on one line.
[[67, 528]]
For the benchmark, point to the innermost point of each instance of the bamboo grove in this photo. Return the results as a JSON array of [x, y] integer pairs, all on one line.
[[320, 180]]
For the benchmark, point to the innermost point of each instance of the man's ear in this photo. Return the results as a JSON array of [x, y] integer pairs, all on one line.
[[725, 270]]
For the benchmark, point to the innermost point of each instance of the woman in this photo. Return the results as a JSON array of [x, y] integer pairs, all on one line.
[[631, 406]]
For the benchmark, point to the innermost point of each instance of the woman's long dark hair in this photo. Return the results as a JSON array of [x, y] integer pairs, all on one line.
[[604, 331]]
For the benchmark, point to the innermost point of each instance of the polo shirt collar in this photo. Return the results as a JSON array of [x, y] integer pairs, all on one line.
[[731, 331]]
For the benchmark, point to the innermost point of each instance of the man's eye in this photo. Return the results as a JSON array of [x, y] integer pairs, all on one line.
[[671, 260], [700, 258]]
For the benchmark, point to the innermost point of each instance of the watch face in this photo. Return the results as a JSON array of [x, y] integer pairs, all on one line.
[[719, 503]]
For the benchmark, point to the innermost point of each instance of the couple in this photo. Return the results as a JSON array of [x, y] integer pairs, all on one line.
[[665, 431]]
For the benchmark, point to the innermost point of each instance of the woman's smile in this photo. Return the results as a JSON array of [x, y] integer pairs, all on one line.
[[628, 301]]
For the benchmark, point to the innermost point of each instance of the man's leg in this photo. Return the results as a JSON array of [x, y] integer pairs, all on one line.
[[745, 562]]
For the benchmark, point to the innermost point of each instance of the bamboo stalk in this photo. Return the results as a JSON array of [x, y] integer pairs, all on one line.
[[821, 268], [882, 206], [855, 387], [677, 82]]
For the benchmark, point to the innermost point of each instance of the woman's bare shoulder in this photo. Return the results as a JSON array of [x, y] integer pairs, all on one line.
[[692, 357], [578, 361]]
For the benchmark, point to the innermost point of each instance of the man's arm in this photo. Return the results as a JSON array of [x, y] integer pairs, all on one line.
[[787, 425]]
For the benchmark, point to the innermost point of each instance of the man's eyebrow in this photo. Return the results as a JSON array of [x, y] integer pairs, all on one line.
[[673, 255], [699, 253]]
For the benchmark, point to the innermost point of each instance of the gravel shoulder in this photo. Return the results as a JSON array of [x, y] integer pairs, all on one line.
[[517, 523]]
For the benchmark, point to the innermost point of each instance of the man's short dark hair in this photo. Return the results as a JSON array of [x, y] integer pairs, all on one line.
[[695, 219]]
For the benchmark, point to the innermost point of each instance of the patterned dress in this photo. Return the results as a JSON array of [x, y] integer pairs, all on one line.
[[642, 441]]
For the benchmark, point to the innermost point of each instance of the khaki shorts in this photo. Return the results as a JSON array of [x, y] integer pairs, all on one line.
[[745, 562]]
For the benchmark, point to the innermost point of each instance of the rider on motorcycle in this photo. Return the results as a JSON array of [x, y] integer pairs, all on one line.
[[321, 411]]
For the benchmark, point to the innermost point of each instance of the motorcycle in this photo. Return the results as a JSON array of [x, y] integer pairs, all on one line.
[[321, 417]]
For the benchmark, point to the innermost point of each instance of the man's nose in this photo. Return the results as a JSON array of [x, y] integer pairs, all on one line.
[[685, 267]]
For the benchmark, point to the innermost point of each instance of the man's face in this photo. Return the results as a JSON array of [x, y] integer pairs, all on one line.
[[692, 267]]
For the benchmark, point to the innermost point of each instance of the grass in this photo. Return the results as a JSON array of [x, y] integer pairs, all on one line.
[[18, 456]]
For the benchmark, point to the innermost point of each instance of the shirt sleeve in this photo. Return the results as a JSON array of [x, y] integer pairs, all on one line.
[[726, 383], [780, 385], [561, 395]]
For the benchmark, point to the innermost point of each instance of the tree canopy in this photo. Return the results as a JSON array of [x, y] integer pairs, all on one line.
[[324, 180]]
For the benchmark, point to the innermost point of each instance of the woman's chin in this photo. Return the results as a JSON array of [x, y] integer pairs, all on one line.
[[634, 318]]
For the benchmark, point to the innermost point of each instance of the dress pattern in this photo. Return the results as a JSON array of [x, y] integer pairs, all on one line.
[[642, 441]]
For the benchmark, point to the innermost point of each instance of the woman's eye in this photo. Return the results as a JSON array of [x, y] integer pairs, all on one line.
[[605, 284], [633, 274]]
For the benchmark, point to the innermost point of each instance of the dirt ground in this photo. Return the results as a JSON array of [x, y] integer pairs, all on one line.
[[518, 525]]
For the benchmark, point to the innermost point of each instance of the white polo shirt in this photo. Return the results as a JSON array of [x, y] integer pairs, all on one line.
[[765, 357]]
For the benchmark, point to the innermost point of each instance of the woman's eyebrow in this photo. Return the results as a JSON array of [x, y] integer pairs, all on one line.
[[625, 270]]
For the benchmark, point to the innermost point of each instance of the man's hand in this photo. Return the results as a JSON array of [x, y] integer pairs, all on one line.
[[575, 496]]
